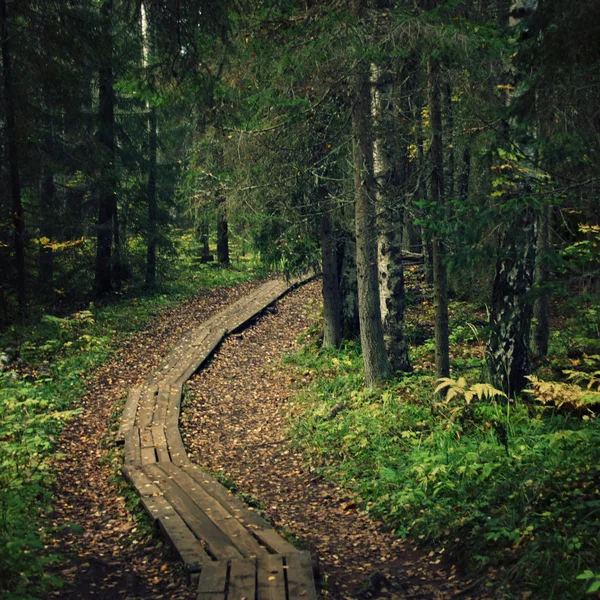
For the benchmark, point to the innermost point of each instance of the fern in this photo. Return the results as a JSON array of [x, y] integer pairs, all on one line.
[[458, 388], [565, 396]]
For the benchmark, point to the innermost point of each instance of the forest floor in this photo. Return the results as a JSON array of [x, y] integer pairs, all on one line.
[[234, 425]]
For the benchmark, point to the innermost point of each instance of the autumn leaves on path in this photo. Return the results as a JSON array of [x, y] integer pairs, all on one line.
[[234, 423]]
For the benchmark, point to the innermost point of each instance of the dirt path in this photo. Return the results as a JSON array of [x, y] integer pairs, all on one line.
[[107, 555], [234, 424]]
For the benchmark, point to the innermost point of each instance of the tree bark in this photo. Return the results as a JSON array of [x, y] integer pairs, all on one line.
[[152, 164], [440, 275], [222, 234], [18, 219], [348, 286], [508, 349], [47, 201], [391, 184], [377, 368], [106, 137], [332, 305]]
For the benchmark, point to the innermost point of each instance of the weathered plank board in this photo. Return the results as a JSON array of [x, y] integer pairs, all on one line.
[[133, 454], [300, 579], [129, 413], [218, 514], [242, 580], [271, 578], [255, 524], [160, 443], [213, 580], [213, 539]]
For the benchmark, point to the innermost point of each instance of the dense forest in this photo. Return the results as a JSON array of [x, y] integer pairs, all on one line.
[[436, 161]]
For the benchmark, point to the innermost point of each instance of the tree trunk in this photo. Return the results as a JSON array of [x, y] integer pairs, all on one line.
[[377, 368], [222, 231], [152, 200], [47, 202], [391, 184], [106, 137], [332, 305], [541, 312], [508, 350], [348, 287], [13, 161], [150, 31], [440, 275]]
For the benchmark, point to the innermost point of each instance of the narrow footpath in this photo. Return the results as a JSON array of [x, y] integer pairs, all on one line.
[[234, 424], [107, 554]]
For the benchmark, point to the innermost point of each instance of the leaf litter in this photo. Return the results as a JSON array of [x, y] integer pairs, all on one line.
[[106, 551], [234, 424]]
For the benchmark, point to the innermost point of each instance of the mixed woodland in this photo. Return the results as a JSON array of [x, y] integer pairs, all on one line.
[[437, 162]]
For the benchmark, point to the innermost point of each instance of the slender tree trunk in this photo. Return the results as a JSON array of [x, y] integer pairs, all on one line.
[[541, 311], [348, 286], [440, 276], [222, 232], [377, 368], [450, 143], [508, 350], [423, 196], [106, 137], [47, 202], [332, 305], [152, 200], [13, 161], [152, 163], [203, 235], [391, 184]]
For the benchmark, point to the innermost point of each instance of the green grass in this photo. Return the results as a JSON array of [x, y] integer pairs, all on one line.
[[58, 354], [509, 489]]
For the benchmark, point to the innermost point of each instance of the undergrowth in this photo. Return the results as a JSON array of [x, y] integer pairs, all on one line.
[[506, 488], [41, 390]]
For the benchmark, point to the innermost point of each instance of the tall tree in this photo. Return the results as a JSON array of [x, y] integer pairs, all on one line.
[[440, 273], [377, 367], [18, 217], [106, 139]]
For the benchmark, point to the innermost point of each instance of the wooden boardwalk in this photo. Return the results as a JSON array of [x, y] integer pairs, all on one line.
[[234, 553]]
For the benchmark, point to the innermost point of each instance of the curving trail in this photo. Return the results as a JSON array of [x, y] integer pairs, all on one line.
[[234, 423]]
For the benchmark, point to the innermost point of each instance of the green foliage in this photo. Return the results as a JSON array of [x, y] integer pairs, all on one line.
[[503, 486]]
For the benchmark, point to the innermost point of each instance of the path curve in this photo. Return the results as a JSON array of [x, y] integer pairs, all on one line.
[[232, 550]]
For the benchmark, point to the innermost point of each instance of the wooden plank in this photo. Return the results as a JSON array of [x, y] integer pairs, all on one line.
[[174, 528], [271, 578], [148, 456], [272, 540], [162, 404], [255, 524], [129, 413], [147, 403], [242, 579], [174, 405], [139, 480], [237, 534], [300, 578], [160, 444], [213, 580], [215, 541], [146, 440], [175, 444], [132, 447]]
